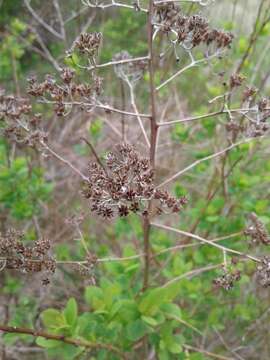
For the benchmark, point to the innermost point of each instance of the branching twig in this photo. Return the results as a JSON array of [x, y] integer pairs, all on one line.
[[212, 114], [189, 66], [197, 162], [197, 237], [113, 4], [133, 104], [41, 21], [62, 338]]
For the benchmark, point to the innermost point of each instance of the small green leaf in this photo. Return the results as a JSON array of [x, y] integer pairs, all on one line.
[[171, 310], [52, 318], [136, 330], [94, 296], [150, 321], [46, 343], [71, 312]]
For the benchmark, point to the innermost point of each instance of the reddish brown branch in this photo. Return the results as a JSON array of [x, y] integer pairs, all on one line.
[[62, 338]]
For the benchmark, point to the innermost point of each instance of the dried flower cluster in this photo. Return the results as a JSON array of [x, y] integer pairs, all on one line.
[[227, 279], [19, 124], [259, 126], [236, 80], [257, 231], [15, 255], [13, 107], [65, 95], [252, 123], [190, 31], [129, 71], [263, 271], [88, 44], [125, 185]]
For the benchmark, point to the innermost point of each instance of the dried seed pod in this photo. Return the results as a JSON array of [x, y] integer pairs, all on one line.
[[129, 71], [126, 184], [227, 279], [263, 272], [257, 231], [26, 259]]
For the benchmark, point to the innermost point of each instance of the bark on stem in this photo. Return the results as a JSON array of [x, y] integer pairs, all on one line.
[[62, 338], [153, 141]]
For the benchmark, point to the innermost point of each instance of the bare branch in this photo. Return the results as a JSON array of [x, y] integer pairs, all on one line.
[[41, 21], [208, 353], [113, 4], [133, 104], [60, 18], [205, 116], [62, 338], [99, 106], [46, 53], [66, 162], [118, 62], [197, 162], [191, 65], [191, 273], [199, 2], [197, 237]]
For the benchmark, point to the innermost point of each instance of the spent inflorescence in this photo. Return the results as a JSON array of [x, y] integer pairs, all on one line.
[[263, 271], [67, 93], [125, 184], [20, 125], [14, 254], [129, 71], [257, 231], [188, 31], [252, 123], [87, 44], [228, 278]]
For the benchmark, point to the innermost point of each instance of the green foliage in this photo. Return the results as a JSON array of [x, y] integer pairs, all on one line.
[[22, 186], [115, 311], [121, 33], [12, 49]]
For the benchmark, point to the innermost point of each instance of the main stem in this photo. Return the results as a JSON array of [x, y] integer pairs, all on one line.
[[153, 141]]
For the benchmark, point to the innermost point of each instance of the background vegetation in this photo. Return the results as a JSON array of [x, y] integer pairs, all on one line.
[[102, 306]]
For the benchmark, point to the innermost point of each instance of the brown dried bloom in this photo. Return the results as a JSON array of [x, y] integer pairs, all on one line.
[[257, 231], [249, 92], [67, 94], [263, 271], [15, 255], [125, 184], [190, 31], [129, 71], [236, 80], [13, 107], [19, 124], [88, 43], [227, 279]]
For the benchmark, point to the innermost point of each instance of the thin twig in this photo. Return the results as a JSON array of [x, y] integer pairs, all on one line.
[[95, 154], [60, 18], [208, 353], [192, 273], [113, 4], [98, 106], [189, 66], [62, 338], [117, 62], [205, 116], [41, 21], [197, 237], [197, 162], [57, 156], [133, 104]]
